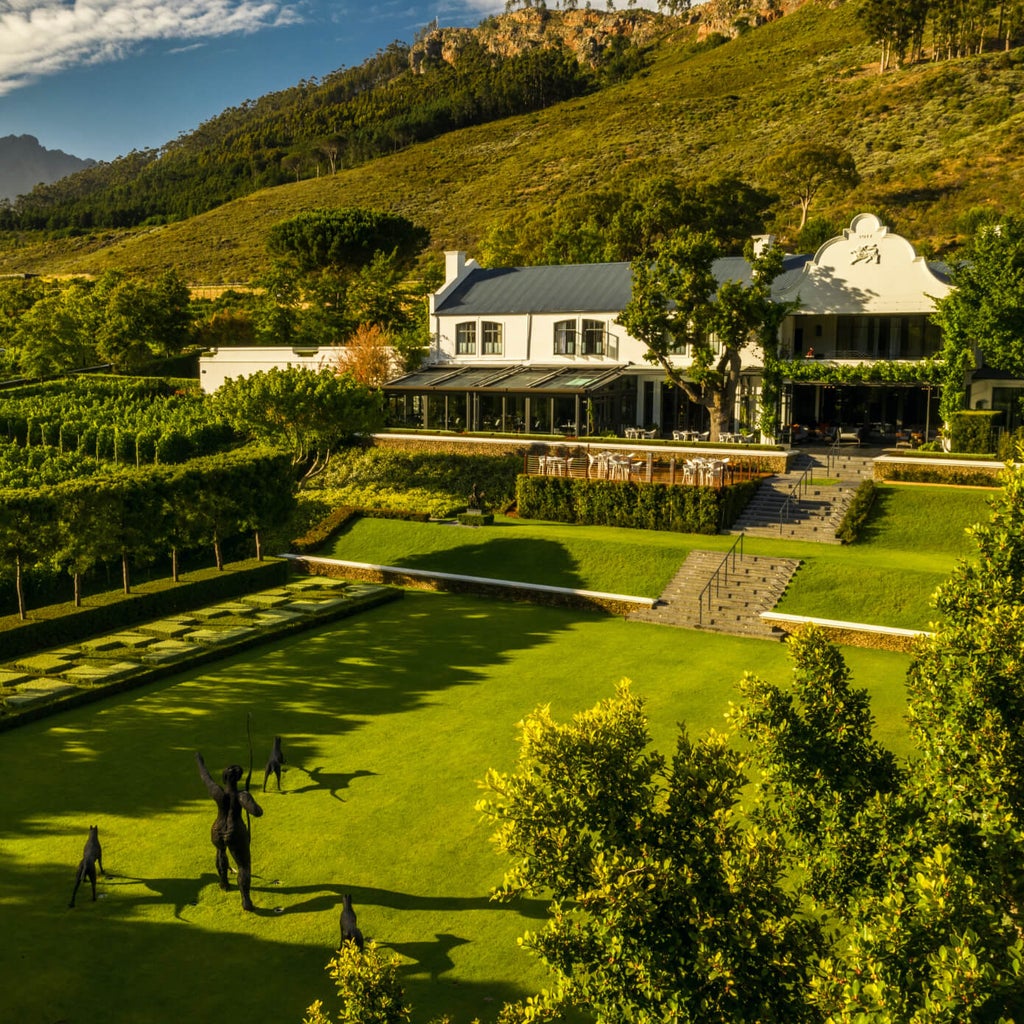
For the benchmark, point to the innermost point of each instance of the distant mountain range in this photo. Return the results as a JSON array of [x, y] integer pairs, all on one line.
[[24, 163]]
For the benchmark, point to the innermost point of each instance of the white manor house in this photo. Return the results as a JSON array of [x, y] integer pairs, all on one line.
[[539, 349]]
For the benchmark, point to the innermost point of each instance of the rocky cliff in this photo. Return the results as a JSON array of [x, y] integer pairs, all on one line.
[[586, 32]]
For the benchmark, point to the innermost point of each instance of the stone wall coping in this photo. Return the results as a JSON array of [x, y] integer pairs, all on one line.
[[594, 442], [860, 627], [428, 574], [973, 463]]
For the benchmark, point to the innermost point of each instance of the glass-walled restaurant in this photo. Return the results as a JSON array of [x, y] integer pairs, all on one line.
[[576, 401]]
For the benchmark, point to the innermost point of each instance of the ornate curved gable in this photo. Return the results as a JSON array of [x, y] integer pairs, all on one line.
[[866, 270]]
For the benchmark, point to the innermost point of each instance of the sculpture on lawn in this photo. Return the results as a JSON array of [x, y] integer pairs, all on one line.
[[92, 856], [228, 832]]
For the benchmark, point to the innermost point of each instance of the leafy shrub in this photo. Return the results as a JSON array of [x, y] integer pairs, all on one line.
[[972, 431], [385, 477], [858, 512]]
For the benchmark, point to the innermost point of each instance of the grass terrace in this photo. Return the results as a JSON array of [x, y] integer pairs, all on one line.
[[913, 539], [389, 719]]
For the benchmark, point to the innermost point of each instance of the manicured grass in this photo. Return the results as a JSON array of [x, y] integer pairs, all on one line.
[[388, 720], [913, 540]]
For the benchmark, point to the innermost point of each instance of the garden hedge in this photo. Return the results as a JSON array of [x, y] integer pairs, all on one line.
[[64, 624], [638, 505]]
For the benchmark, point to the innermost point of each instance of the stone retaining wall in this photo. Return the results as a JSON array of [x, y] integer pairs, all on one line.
[[454, 583], [851, 634]]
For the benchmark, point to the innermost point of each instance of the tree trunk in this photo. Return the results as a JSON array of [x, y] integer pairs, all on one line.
[[125, 579], [19, 588], [174, 565], [78, 589], [259, 547], [216, 553]]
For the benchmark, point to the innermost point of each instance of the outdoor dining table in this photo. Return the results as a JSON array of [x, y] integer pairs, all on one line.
[[684, 435]]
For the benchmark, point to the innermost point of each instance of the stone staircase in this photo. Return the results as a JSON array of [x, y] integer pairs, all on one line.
[[746, 586], [815, 511], [751, 584]]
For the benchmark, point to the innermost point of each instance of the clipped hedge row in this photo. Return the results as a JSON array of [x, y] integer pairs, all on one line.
[[65, 624], [858, 512], [939, 472], [636, 505]]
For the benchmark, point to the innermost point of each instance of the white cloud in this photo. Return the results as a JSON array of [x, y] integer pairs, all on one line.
[[43, 37]]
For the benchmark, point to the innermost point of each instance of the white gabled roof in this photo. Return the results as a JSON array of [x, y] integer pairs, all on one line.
[[866, 270]]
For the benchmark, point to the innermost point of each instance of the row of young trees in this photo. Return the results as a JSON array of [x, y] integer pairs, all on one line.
[[791, 870], [135, 517], [955, 28]]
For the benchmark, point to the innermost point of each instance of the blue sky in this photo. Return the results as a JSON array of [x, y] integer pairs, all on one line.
[[99, 78]]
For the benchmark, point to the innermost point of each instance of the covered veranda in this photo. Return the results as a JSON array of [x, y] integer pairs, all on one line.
[[573, 401]]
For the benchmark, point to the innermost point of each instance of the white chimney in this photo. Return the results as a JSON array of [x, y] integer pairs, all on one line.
[[454, 265], [762, 243]]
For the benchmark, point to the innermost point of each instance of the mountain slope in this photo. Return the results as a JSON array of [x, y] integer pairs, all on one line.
[[933, 143]]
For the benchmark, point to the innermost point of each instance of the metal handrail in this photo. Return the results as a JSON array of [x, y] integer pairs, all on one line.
[[833, 453], [716, 577], [806, 479]]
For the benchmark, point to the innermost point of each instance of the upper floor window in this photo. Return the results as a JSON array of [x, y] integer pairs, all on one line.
[[491, 338], [565, 338], [593, 338], [465, 339]]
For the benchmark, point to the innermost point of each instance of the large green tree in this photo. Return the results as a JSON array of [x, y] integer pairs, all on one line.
[[982, 319], [344, 239], [695, 327], [309, 413], [799, 174]]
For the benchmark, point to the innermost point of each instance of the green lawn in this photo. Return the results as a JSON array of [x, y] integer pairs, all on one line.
[[388, 720], [910, 546]]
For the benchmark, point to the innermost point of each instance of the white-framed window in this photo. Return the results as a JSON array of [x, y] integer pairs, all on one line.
[[490, 337], [593, 338], [465, 338], [565, 338]]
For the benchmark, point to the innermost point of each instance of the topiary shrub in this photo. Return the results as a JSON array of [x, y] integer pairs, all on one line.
[[973, 431]]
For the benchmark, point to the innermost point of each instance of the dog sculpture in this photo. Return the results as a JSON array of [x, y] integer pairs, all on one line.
[[274, 765], [92, 856], [349, 929]]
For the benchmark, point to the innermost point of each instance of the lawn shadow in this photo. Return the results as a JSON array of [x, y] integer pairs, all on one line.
[[517, 559], [309, 687], [333, 782], [430, 957], [175, 892], [328, 896]]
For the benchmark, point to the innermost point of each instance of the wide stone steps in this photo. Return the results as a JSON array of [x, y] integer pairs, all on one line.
[[815, 511], [745, 587]]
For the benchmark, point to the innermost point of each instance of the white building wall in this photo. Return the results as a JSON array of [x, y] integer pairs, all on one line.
[[220, 364]]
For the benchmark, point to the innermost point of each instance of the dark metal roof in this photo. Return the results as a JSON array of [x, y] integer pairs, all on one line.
[[565, 379], [575, 288], [561, 289]]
